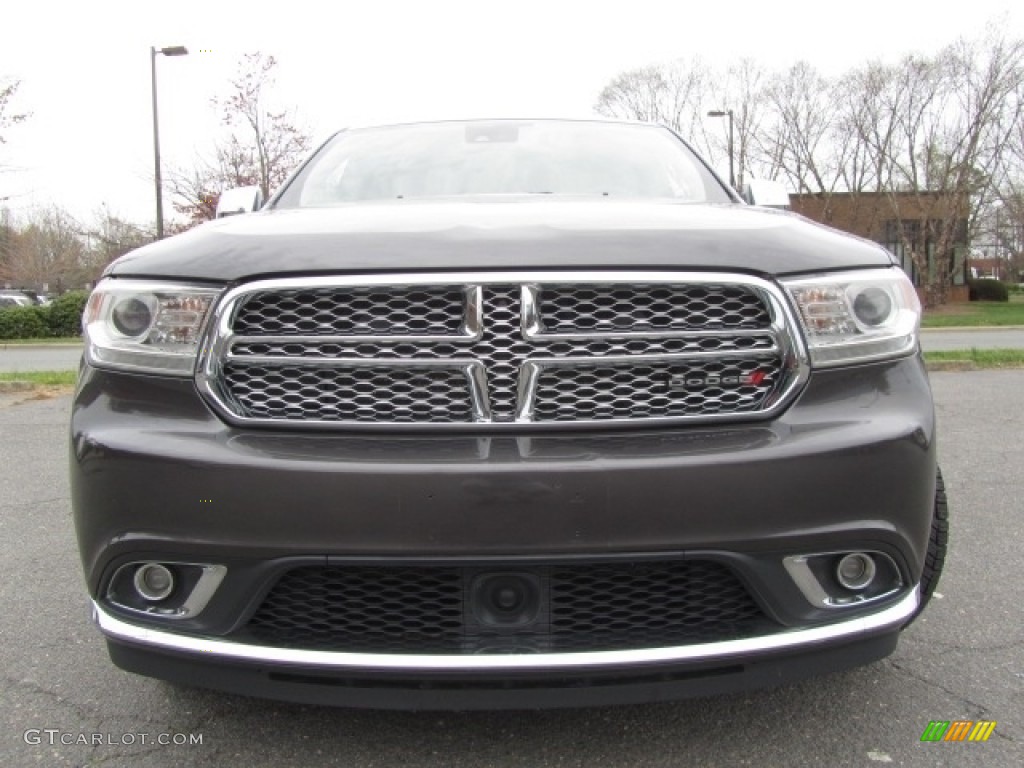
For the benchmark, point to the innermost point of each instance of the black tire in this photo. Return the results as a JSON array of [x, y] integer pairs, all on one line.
[[937, 543]]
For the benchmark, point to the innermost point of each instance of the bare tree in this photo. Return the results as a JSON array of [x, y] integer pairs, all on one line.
[[8, 243], [109, 237], [670, 94], [744, 94], [679, 94], [1000, 220], [261, 147], [196, 190], [1003, 223], [802, 107], [48, 251], [8, 116], [867, 125], [940, 138], [276, 141], [942, 126]]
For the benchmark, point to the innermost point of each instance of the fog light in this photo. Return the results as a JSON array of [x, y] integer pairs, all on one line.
[[855, 571], [153, 581]]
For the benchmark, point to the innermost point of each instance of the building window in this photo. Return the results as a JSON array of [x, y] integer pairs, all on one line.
[[896, 234]]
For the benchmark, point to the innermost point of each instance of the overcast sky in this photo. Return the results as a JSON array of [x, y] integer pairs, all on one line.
[[85, 74]]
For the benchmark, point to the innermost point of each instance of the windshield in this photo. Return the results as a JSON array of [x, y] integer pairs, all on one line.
[[502, 157]]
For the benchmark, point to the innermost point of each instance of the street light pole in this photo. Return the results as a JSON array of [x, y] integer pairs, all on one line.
[[727, 113], [175, 50]]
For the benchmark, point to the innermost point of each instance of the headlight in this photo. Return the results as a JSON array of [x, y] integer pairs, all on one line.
[[855, 317], [146, 326]]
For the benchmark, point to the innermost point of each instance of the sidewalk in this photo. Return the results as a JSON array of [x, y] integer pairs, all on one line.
[[41, 345]]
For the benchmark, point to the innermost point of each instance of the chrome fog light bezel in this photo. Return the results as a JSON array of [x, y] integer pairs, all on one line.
[[815, 576], [195, 584]]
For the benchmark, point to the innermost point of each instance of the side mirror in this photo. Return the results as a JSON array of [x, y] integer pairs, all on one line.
[[766, 193], [239, 200]]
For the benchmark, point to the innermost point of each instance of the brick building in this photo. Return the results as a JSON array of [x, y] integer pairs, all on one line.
[[879, 217]]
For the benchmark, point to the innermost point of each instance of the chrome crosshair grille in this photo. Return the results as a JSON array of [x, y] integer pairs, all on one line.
[[493, 349]]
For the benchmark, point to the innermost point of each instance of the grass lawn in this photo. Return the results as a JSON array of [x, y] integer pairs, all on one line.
[[981, 358], [976, 313], [42, 378]]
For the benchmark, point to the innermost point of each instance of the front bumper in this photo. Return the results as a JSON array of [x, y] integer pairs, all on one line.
[[401, 681], [156, 475]]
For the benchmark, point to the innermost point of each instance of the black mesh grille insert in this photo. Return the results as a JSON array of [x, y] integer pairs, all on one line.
[[368, 394], [378, 311], [655, 390], [610, 606], [611, 308]]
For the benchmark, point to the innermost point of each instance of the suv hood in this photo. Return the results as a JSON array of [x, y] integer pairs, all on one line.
[[512, 233]]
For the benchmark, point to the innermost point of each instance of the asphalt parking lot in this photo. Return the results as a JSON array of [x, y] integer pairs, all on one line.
[[963, 660]]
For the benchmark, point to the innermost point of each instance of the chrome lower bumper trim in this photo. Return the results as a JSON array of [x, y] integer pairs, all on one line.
[[889, 618]]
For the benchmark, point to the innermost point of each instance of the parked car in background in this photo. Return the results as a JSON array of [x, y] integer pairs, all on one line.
[[504, 414], [13, 298]]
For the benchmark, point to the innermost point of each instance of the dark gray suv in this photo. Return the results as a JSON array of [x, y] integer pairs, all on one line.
[[504, 414]]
